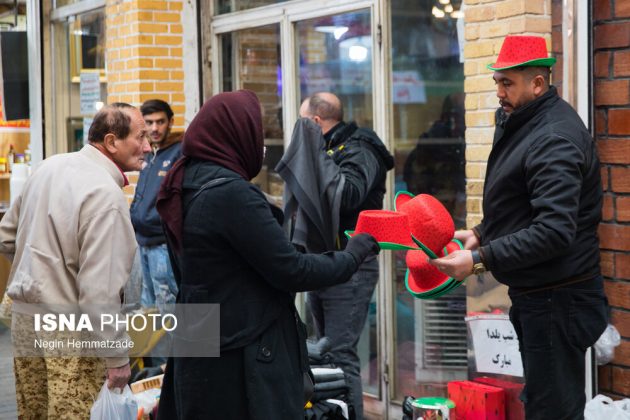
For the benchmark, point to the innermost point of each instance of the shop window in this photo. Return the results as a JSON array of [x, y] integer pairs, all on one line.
[[60, 3], [428, 119], [87, 45], [335, 55], [79, 73], [229, 6], [14, 101], [251, 60]]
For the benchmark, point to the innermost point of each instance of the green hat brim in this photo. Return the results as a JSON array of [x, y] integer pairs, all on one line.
[[424, 248], [539, 62], [391, 246]]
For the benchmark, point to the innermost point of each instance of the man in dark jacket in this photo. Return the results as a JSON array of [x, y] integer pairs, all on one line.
[[158, 286], [542, 207], [340, 311]]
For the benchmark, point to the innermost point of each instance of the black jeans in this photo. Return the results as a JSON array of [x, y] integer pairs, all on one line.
[[554, 328], [340, 313]]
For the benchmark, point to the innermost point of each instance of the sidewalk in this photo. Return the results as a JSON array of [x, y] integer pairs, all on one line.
[[8, 409]]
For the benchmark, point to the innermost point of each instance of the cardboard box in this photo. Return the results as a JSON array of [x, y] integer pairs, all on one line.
[[476, 401], [148, 383]]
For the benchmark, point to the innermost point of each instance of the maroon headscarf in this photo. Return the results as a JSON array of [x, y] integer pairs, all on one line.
[[228, 131]]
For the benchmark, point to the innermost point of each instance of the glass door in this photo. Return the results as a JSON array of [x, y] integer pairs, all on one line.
[[334, 54], [427, 101], [251, 60]]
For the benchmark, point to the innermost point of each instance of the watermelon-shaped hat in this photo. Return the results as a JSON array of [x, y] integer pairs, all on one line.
[[423, 280], [389, 228], [431, 224], [521, 50]]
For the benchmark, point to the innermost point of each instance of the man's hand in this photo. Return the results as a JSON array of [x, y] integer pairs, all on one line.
[[118, 377], [468, 238], [457, 264]]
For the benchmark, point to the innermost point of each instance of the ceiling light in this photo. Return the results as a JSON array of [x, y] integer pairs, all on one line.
[[438, 13], [357, 53]]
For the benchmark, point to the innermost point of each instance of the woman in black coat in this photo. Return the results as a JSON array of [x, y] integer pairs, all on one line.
[[228, 249]]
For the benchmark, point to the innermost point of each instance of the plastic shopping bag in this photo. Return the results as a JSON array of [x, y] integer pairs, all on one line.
[[604, 408], [605, 345], [113, 405]]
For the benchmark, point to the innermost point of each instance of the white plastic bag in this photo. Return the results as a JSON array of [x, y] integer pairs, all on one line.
[[604, 408], [605, 345], [147, 399], [113, 405]]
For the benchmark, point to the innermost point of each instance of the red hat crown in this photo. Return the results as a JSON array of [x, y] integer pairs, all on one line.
[[430, 222], [386, 226], [422, 276], [522, 50]]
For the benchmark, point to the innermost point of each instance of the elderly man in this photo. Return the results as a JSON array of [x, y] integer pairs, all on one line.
[[542, 207], [71, 241]]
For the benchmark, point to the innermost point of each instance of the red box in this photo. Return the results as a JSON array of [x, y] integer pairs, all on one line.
[[476, 401], [514, 408]]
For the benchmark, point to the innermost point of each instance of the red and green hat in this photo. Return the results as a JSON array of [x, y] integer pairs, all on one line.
[[389, 228], [522, 50], [425, 281], [430, 222]]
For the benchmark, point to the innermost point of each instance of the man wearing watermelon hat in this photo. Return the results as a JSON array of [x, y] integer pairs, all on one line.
[[542, 207]]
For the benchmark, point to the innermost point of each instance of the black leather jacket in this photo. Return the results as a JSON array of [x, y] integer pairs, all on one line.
[[364, 161], [542, 197]]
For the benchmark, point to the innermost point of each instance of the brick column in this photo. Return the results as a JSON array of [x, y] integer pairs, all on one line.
[[487, 23], [611, 71], [144, 53], [144, 57]]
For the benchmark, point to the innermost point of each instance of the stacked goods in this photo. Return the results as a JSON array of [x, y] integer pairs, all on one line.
[[330, 395], [423, 226]]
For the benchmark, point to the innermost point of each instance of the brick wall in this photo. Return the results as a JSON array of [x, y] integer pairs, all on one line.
[[145, 56], [487, 24], [144, 53], [611, 71]]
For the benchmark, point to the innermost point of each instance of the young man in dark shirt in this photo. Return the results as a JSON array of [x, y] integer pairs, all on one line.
[[158, 286]]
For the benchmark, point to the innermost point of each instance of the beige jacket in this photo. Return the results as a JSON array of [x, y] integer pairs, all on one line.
[[70, 235]]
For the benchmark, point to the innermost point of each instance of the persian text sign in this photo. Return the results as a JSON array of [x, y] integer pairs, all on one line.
[[495, 344]]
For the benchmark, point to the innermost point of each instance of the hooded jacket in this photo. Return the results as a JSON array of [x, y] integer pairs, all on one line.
[[542, 198], [364, 162]]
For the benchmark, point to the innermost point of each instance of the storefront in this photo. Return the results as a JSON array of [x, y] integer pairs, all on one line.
[[415, 73], [398, 68]]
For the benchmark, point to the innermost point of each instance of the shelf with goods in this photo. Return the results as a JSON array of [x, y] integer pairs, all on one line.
[[19, 138]]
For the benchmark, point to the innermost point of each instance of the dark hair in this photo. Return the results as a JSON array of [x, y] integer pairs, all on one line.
[[324, 109], [156, 105], [533, 71], [110, 119]]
